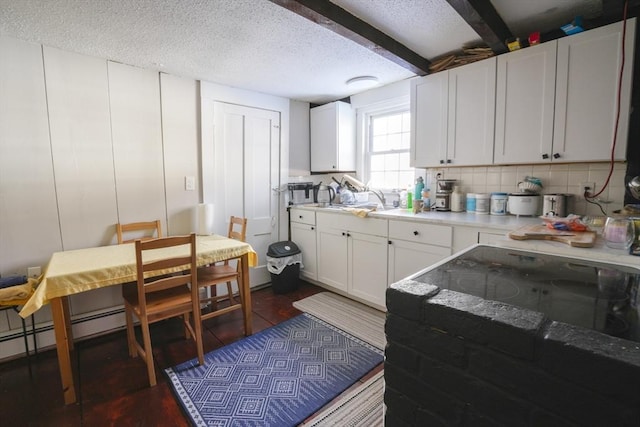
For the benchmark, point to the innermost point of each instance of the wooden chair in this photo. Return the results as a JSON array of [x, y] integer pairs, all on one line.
[[150, 227], [164, 296], [225, 272], [13, 297]]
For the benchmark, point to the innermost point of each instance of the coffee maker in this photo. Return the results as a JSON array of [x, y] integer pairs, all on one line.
[[444, 188]]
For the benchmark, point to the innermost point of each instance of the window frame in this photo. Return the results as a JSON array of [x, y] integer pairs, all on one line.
[[401, 105]]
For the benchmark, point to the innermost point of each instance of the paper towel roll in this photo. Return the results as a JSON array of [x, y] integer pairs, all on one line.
[[205, 219]]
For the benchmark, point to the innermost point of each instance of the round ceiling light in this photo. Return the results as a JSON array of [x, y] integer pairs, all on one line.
[[362, 81]]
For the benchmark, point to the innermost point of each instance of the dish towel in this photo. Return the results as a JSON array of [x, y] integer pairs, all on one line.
[[362, 213]]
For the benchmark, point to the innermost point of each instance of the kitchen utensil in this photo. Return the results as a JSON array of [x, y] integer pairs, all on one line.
[[579, 239], [618, 232], [523, 204]]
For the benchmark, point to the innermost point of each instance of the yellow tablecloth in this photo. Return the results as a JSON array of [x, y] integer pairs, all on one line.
[[75, 271]]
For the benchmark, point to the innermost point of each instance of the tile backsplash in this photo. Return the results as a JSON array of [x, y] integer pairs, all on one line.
[[564, 178]]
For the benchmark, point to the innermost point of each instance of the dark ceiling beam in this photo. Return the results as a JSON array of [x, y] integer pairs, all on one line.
[[338, 20], [483, 18]]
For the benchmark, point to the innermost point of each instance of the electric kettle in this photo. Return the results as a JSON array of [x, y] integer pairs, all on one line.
[[323, 194]]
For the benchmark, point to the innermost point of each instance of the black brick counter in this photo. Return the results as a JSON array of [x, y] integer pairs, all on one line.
[[455, 359]]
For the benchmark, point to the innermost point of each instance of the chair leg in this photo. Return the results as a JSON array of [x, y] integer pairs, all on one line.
[[232, 300], [131, 335], [148, 352]]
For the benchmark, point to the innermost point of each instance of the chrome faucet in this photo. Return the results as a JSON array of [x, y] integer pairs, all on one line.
[[380, 195]]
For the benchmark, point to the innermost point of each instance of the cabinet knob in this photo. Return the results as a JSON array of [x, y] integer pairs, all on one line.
[[389, 242], [545, 156], [344, 234], [415, 233], [556, 155], [300, 216], [348, 235], [448, 160], [313, 228], [442, 162]]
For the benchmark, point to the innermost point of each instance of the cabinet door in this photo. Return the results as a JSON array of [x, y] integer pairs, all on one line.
[[368, 267], [472, 99], [332, 138], [407, 258], [524, 104], [304, 235], [587, 91], [429, 109], [332, 258]]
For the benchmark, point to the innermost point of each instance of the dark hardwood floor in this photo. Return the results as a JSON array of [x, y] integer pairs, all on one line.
[[113, 388]]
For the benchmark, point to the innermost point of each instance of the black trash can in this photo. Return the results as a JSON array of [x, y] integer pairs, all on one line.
[[283, 262]]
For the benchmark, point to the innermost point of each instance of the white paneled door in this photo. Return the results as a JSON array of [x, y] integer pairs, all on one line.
[[247, 166]]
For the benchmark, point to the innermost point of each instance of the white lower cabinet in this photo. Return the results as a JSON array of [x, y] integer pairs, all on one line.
[[332, 258], [352, 255], [303, 234], [367, 256], [414, 246]]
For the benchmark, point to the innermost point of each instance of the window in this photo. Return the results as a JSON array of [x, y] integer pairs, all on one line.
[[387, 150]]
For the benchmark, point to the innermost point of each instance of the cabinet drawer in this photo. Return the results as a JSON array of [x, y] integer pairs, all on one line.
[[303, 216], [440, 235], [341, 221]]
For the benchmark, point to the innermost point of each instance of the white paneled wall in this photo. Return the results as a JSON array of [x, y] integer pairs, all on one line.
[[80, 131], [564, 178], [85, 143]]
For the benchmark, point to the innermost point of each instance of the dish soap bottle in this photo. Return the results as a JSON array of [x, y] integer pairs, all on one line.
[[409, 198]]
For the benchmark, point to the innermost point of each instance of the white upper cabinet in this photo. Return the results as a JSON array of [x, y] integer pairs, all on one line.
[[556, 102], [453, 116], [524, 104], [333, 138], [429, 110], [587, 82]]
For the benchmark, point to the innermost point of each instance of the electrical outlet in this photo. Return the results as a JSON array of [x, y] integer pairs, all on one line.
[[33, 272], [189, 183], [589, 187]]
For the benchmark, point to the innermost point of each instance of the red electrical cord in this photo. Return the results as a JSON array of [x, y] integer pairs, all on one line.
[[587, 195]]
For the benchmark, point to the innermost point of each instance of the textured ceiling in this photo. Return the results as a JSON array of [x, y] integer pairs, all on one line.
[[256, 44]]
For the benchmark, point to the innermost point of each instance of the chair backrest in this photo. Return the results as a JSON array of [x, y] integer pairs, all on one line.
[[238, 228], [180, 261], [154, 228]]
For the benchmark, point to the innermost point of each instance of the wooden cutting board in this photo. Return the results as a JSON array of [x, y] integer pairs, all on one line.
[[579, 239]]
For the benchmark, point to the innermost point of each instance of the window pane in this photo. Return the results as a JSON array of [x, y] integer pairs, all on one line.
[[395, 141], [380, 143], [394, 124], [380, 126], [378, 162], [392, 162]]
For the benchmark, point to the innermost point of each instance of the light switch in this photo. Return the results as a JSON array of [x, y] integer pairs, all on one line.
[[189, 183]]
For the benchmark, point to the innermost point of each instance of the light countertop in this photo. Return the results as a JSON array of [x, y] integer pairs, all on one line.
[[599, 252]]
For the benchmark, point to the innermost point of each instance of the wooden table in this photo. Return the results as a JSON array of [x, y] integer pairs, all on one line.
[[82, 270]]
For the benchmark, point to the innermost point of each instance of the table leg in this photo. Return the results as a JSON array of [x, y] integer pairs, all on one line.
[[246, 307], [64, 340]]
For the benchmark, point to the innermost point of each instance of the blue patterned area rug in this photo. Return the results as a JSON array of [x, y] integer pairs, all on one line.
[[277, 377]]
